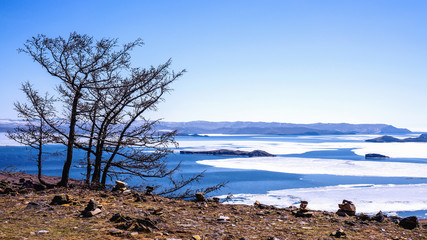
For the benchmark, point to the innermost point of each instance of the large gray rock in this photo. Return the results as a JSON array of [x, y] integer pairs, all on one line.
[[409, 222]]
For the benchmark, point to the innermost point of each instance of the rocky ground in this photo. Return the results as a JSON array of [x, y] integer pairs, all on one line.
[[80, 213]]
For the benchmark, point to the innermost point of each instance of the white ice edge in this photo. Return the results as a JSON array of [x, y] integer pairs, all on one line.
[[323, 166], [368, 198], [394, 150]]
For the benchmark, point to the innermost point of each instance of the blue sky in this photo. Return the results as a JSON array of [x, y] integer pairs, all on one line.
[[283, 61]]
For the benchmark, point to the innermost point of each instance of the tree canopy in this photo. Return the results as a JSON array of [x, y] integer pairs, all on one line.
[[104, 101]]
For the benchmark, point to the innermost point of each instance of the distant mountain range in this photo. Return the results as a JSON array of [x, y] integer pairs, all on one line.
[[8, 124], [273, 128], [204, 127]]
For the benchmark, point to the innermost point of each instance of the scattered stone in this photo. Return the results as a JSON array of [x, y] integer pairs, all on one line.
[[395, 219], [93, 212], [32, 233], [347, 208], [149, 190], [409, 222], [28, 184], [307, 214], [259, 205], [118, 218], [61, 199], [223, 219], [115, 232], [131, 224], [120, 186], [200, 197], [127, 192], [103, 195], [133, 234], [379, 217], [303, 205], [141, 225], [290, 208], [139, 198], [339, 233], [363, 217], [39, 187], [8, 190], [43, 232], [196, 237], [92, 209], [158, 211], [214, 200], [261, 213], [38, 206], [326, 213], [350, 223]]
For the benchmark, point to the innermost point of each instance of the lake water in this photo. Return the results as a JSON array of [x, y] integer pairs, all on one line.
[[323, 170]]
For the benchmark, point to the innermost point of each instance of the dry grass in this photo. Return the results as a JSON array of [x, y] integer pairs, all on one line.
[[176, 219]]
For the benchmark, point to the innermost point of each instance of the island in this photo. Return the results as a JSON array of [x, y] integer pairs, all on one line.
[[421, 138], [227, 152], [375, 156], [191, 135]]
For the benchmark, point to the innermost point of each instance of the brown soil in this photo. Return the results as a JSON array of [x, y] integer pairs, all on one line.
[[172, 219]]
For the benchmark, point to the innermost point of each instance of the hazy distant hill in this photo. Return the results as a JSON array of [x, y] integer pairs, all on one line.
[[200, 127], [8, 125]]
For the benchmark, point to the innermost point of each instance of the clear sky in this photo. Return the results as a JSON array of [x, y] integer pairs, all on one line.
[[283, 61]]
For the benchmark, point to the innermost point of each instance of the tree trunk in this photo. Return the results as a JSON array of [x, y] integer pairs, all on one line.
[[96, 176], [88, 168], [104, 174], [70, 145], [39, 162], [39, 167], [89, 163], [39, 157]]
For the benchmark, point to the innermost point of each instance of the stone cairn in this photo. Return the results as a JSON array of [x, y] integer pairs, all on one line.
[[92, 209], [346, 208], [120, 186], [303, 211]]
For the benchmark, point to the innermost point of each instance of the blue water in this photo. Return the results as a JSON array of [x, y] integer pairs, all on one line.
[[239, 181]]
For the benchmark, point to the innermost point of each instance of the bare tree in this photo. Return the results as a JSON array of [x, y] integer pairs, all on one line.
[[74, 61], [104, 103], [35, 133], [121, 136]]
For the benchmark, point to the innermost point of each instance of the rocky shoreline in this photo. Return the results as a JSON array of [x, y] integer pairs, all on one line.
[[81, 213]]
